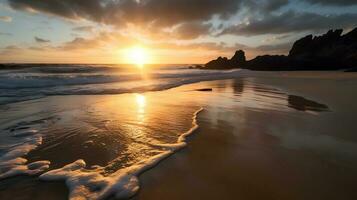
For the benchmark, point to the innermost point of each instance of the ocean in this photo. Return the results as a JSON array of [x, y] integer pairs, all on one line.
[[37, 81]]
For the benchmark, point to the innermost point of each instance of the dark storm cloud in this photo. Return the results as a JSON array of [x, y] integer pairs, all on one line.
[[292, 22], [333, 2], [162, 12], [192, 30], [275, 5], [172, 12], [169, 12], [265, 6], [72, 9], [41, 40], [159, 12], [189, 18]]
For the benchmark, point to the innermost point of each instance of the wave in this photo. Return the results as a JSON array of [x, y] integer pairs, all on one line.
[[33, 80], [76, 68], [21, 86]]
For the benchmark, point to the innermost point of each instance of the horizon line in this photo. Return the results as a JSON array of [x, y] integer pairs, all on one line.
[[53, 63]]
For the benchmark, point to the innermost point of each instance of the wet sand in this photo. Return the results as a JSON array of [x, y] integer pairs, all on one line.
[[240, 152]]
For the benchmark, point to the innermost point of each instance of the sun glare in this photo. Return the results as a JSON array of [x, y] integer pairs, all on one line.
[[140, 100], [138, 55], [141, 104]]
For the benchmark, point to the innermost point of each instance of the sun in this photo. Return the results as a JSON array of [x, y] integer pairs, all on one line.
[[138, 55]]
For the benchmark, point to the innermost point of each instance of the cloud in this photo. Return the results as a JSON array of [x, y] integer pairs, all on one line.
[[71, 9], [190, 17], [5, 18], [12, 47], [5, 34], [192, 30], [272, 5], [161, 12], [165, 13], [166, 23], [98, 41], [281, 48], [80, 43], [41, 40], [264, 6], [38, 48], [333, 2], [276, 38], [83, 28], [292, 21], [9, 50]]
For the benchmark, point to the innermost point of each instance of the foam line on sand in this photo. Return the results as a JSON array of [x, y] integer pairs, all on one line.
[[124, 183]]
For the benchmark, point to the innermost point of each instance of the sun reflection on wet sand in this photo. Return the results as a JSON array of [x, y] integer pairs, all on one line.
[[141, 102], [141, 105]]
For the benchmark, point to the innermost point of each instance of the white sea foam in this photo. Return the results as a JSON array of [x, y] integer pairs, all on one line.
[[23, 169], [92, 184], [24, 139]]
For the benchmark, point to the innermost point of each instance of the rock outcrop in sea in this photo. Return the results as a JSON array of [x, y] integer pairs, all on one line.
[[331, 51]]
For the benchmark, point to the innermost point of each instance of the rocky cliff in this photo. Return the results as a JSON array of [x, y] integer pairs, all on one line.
[[331, 51]]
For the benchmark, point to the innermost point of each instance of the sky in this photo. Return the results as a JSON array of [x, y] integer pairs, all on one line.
[[170, 31]]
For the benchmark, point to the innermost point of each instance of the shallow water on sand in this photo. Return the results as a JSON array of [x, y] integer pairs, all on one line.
[[281, 147], [115, 132]]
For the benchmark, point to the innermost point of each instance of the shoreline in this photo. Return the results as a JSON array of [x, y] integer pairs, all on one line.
[[239, 125]]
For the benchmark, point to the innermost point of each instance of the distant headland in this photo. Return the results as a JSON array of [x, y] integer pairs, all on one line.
[[331, 51]]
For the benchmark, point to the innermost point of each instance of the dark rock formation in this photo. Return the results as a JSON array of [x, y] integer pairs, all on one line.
[[311, 47], [219, 63], [238, 60], [331, 51], [205, 90], [268, 62], [352, 70]]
